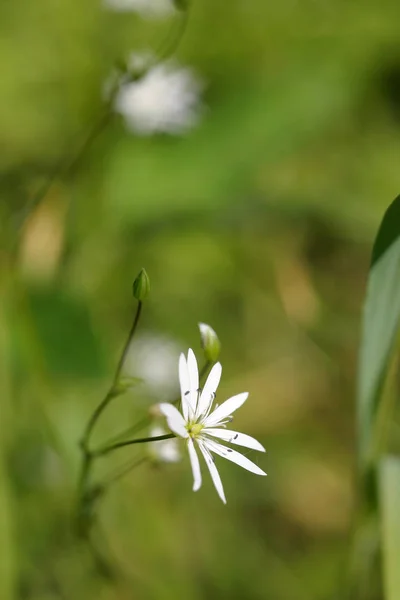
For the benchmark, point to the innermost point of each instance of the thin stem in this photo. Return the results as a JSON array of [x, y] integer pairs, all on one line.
[[204, 370], [67, 168], [147, 419], [127, 344], [132, 430], [107, 449], [111, 393], [172, 41]]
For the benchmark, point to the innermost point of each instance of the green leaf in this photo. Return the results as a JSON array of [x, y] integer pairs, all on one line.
[[389, 487], [379, 327]]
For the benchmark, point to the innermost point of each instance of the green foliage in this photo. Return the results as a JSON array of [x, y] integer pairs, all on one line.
[[259, 222], [389, 479], [380, 325]]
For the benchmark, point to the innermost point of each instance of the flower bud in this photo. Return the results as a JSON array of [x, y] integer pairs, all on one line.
[[209, 342], [141, 286]]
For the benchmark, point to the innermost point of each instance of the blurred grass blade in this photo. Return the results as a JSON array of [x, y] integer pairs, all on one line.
[[380, 324], [389, 489]]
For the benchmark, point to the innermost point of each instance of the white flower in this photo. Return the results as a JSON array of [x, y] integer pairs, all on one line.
[[199, 424], [147, 8], [165, 99], [164, 450]]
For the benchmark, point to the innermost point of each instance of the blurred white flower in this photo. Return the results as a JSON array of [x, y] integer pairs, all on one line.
[[199, 424], [165, 450], [146, 8], [153, 359], [165, 99]]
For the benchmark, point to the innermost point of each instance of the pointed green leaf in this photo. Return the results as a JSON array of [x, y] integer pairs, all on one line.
[[380, 325]]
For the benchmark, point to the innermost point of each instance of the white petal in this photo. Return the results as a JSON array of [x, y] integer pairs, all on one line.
[[234, 437], [213, 471], [194, 461], [233, 456], [193, 378], [210, 387], [175, 421], [226, 409], [185, 385], [165, 450]]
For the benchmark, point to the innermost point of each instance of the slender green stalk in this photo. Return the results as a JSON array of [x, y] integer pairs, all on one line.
[[204, 370], [67, 168], [107, 449], [111, 393], [145, 421]]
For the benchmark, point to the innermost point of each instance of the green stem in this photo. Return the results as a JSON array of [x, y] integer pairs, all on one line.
[[127, 344], [107, 449], [111, 393], [146, 420], [204, 370], [67, 168]]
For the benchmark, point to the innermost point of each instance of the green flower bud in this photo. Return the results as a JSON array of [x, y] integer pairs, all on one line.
[[209, 342], [141, 286]]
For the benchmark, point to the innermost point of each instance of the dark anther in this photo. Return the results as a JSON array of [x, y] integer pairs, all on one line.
[[230, 450], [186, 393], [236, 436]]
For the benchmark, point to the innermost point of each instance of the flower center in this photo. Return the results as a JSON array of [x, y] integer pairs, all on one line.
[[194, 429]]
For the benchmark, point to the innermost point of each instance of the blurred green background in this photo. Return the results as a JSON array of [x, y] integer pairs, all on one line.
[[259, 221]]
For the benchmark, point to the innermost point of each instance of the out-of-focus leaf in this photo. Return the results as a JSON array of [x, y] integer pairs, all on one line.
[[380, 324], [389, 487], [62, 328]]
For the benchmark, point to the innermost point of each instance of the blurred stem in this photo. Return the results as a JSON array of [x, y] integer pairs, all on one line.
[[65, 168], [173, 39], [205, 369]]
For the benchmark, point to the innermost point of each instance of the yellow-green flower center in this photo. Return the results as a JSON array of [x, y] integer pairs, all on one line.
[[194, 429]]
